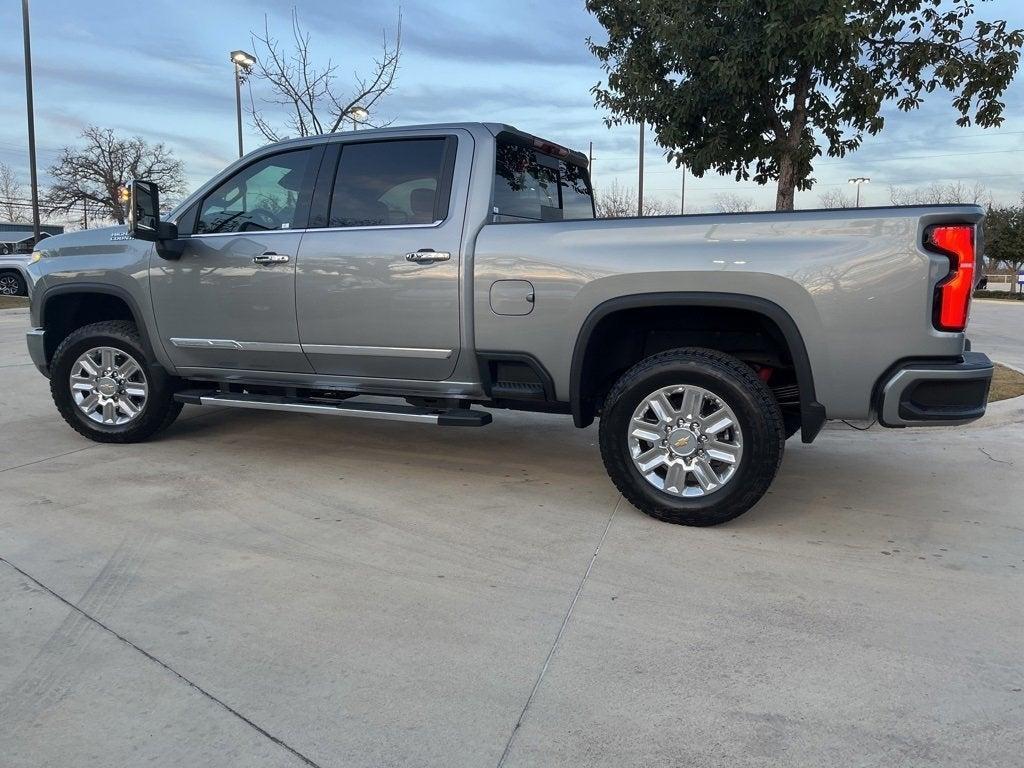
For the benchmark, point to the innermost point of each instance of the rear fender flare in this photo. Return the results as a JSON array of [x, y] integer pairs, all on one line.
[[811, 411]]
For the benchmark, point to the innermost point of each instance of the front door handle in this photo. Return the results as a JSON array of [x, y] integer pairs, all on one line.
[[270, 258], [427, 256]]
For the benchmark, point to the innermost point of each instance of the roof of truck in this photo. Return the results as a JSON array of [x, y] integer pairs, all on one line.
[[493, 128]]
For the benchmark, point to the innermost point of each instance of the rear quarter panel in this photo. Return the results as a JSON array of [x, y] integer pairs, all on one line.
[[857, 283]]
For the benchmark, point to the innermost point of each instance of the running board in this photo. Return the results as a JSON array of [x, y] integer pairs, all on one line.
[[452, 417]]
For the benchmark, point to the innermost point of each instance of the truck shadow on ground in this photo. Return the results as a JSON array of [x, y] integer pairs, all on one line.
[[843, 473]]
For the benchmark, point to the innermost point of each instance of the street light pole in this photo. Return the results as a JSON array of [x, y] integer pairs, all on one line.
[[640, 180], [238, 106], [243, 66], [31, 124], [858, 180]]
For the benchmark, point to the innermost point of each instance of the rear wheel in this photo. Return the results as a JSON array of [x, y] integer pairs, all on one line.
[[12, 284], [104, 387], [691, 436]]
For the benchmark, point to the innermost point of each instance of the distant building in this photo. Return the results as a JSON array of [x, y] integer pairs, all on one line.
[[17, 238]]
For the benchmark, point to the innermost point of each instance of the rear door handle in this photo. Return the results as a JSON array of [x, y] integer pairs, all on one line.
[[270, 258], [427, 256]]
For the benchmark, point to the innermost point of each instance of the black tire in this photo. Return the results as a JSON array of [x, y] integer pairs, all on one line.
[[11, 277], [160, 408], [757, 411]]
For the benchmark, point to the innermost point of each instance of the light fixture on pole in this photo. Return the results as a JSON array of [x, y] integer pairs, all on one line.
[[858, 180], [244, 62], [358, 114], [31, 124]]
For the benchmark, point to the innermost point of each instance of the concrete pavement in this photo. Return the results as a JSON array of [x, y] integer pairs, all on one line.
[[264, 589], [997, 328]]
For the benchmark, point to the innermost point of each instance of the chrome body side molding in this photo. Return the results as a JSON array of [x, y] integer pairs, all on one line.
[[313, 349], [349, 349]]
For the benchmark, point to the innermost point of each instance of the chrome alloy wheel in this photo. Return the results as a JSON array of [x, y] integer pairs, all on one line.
[[685, 441], [9, 285], [109, 386]]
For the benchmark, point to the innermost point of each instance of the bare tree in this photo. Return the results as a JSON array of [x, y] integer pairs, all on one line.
[[620, 201], [310, 93], [93, 175], [727, 202], [12, 197], [835, 198], [938, 194]]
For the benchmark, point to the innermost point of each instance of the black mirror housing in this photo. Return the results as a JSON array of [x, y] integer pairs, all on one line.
[[144, 210]]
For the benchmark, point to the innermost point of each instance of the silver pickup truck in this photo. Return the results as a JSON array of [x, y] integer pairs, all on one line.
[[448, 266]]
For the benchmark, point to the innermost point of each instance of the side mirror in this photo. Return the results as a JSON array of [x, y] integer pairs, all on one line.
[[143, 210], [144, 213]]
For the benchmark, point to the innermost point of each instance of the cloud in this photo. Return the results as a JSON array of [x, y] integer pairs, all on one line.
[[482, 32]]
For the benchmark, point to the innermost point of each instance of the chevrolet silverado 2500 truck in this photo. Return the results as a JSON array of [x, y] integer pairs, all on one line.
[[455, 265]]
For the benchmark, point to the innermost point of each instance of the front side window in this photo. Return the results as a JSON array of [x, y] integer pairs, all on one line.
[[261, 197], [389, 183]]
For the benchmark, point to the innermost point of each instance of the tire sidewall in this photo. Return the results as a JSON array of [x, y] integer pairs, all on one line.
[[19, 284], [758, 440]]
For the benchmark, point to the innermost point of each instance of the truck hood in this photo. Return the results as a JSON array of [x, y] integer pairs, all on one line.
[[73, 242]]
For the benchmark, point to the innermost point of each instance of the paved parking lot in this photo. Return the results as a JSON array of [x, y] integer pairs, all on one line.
[[260, 589]]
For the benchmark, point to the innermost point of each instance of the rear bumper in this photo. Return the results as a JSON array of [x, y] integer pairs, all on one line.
[[920, 394], [36, 339]]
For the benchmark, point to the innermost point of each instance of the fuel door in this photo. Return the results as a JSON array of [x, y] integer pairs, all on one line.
[[512, 297]]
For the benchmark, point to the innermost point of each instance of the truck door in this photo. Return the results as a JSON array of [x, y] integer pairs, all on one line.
[[229, 301], [377, 281]]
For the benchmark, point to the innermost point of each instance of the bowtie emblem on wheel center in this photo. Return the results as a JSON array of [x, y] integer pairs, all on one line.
[[682, 442], [107, 387]]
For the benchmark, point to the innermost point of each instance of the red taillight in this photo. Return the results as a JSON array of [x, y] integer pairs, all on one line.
[[953, 293]]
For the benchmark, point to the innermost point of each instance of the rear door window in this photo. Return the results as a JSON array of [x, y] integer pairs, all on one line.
[[389, 183]]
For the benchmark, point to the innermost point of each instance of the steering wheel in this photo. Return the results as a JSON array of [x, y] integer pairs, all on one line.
[[261, 218]]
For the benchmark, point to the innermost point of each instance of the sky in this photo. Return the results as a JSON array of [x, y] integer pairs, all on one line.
[[160, 70]]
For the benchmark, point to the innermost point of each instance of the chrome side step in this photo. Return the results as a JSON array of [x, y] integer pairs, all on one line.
[[453, 417]]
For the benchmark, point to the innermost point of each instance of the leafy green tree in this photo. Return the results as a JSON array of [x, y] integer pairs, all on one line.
[[760, 88], [1004, 238]]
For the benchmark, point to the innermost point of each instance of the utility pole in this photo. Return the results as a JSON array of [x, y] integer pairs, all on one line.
[[85, 214], [31, 124], [640, 181]]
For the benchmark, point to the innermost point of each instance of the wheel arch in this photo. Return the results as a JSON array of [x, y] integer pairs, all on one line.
[[584, 409], [63, 309]]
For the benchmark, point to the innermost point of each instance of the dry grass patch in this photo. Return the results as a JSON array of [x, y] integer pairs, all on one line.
[[13, 302], [1006, 383]]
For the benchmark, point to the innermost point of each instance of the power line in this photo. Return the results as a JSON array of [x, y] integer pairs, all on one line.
[[835, 162]]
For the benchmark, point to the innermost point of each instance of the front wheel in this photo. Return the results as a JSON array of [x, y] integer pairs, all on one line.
[[104, 387], [691, 436]]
